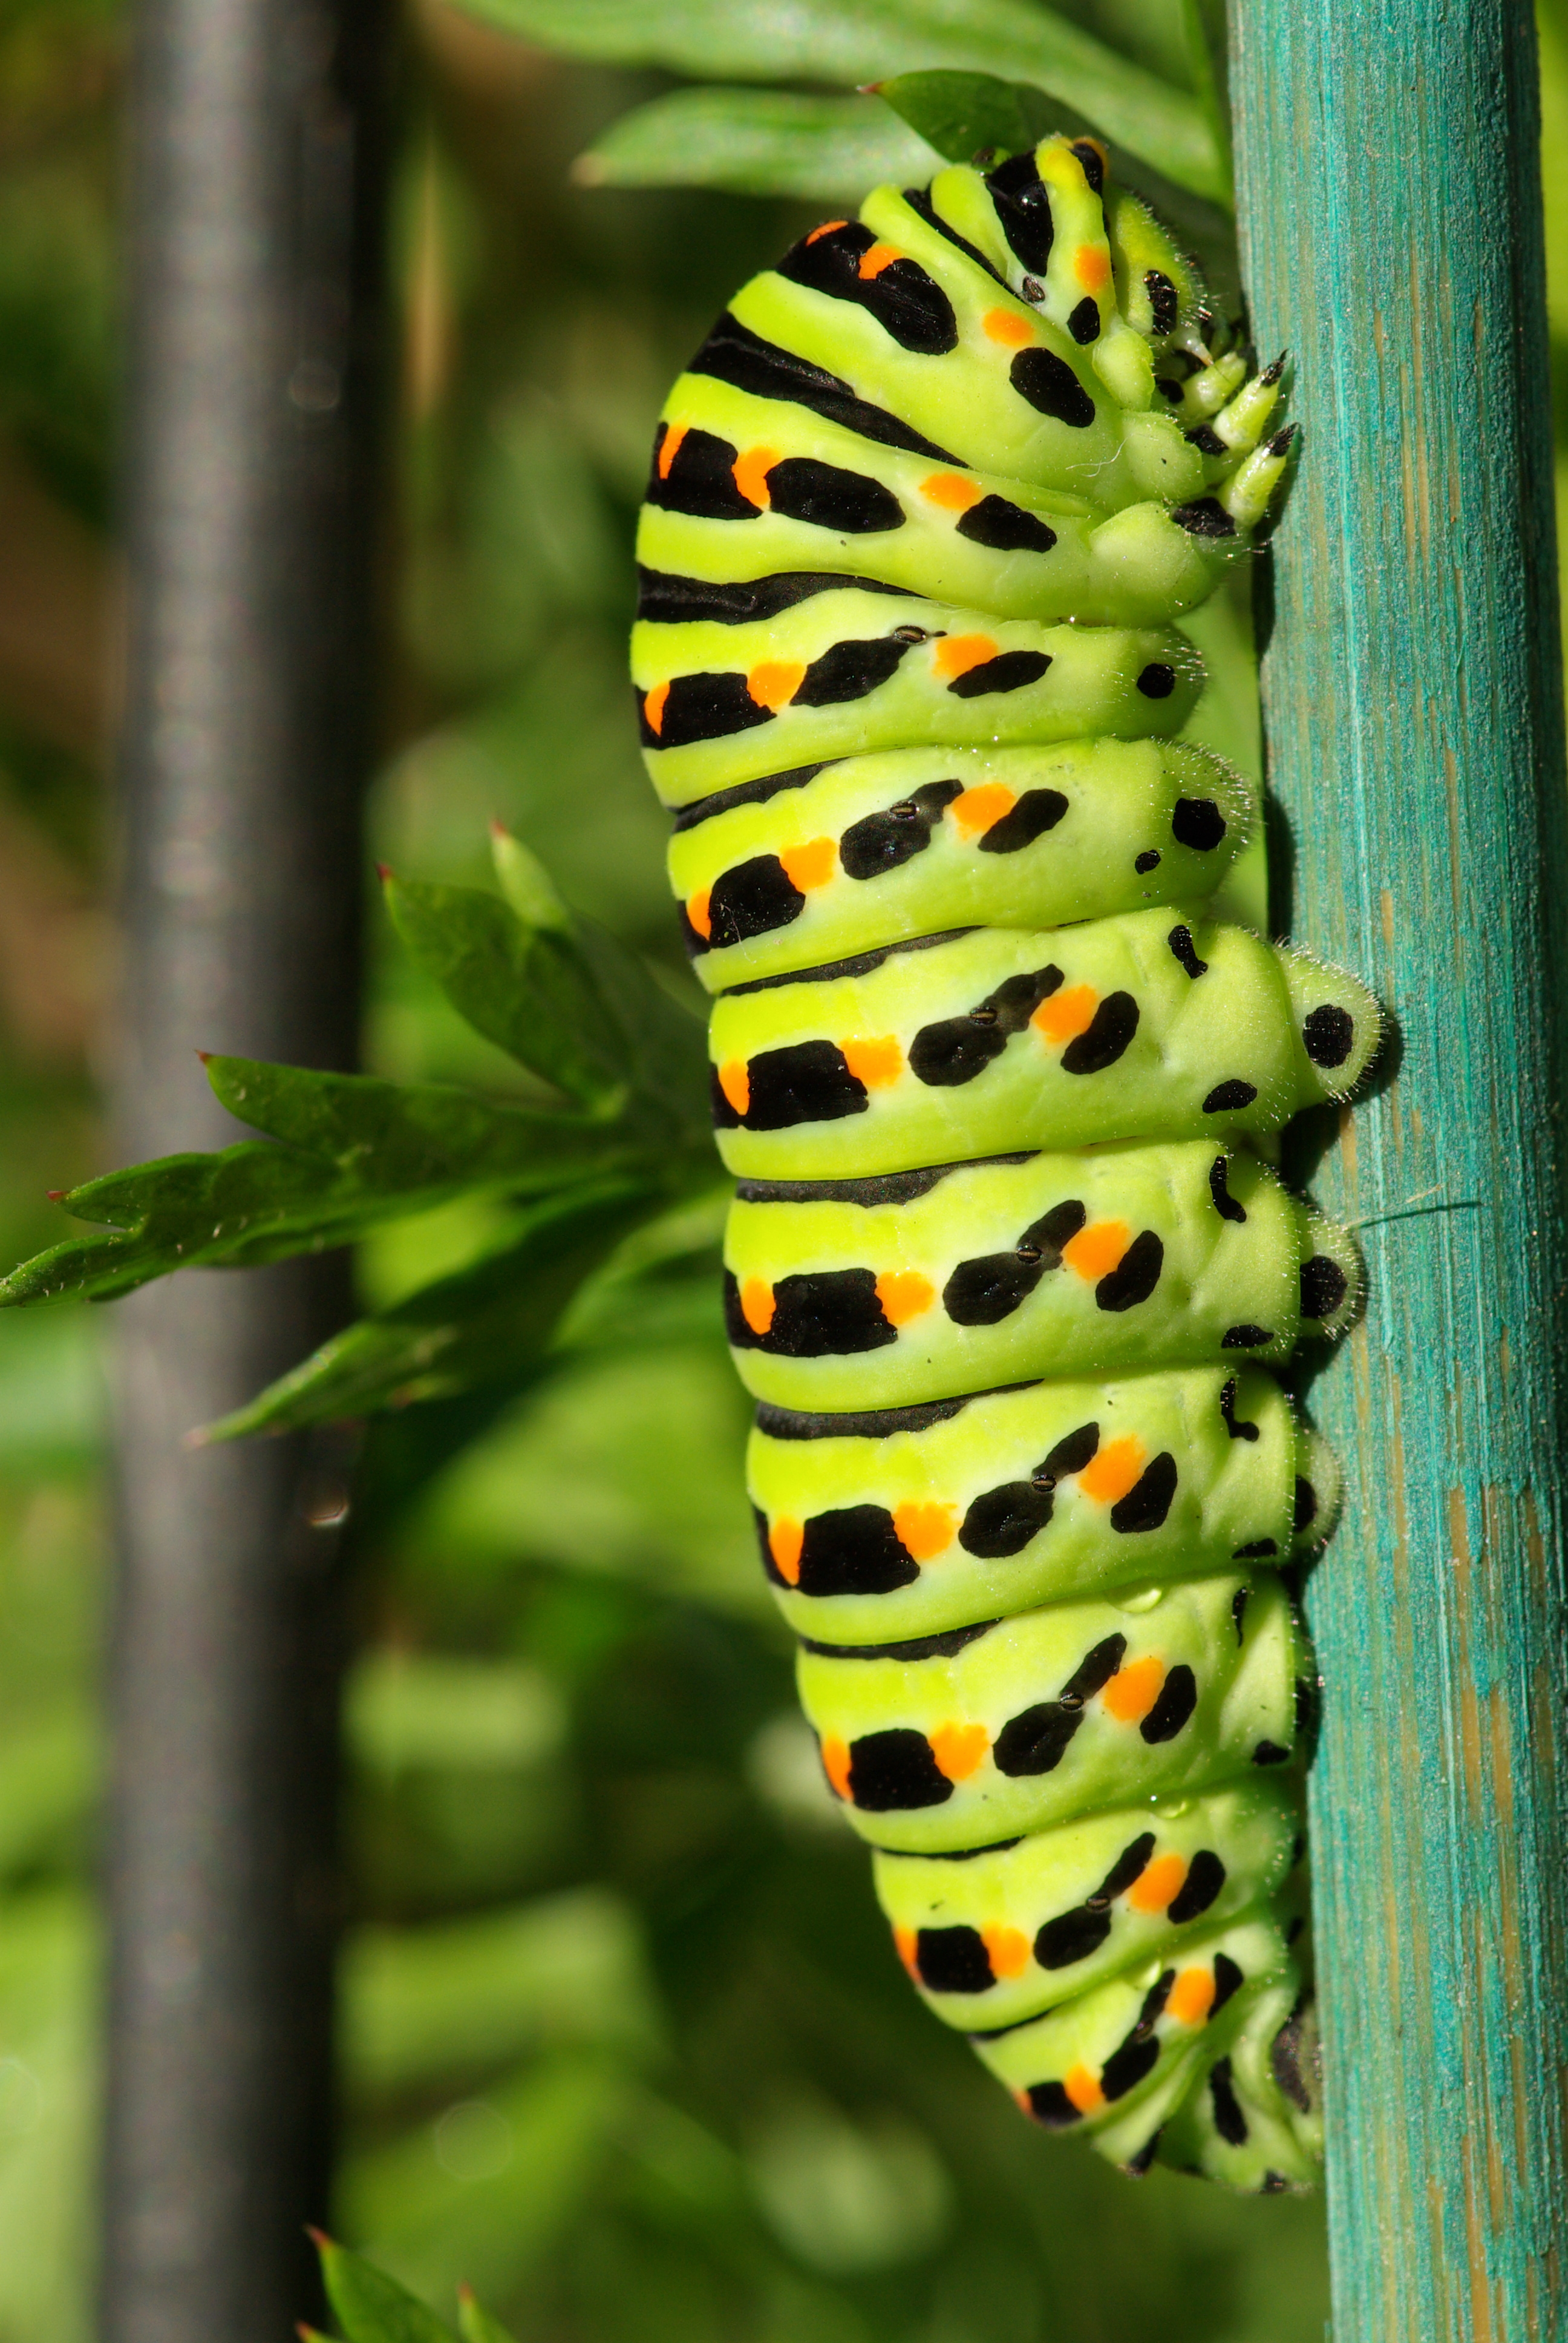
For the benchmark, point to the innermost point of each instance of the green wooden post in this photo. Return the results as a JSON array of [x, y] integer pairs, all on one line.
[[1390, 199]]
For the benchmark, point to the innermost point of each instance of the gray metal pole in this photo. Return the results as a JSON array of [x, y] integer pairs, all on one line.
[[257, 133]]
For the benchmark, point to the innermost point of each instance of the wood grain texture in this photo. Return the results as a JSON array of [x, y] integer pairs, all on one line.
[[1391, 238]]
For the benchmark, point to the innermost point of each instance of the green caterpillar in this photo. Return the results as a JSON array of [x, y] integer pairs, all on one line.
[[1003, 1262]]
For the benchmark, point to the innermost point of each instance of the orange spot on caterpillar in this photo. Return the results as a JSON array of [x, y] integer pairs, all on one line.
[[735, 1081], [1067, 1015], [698, 912], [1005, 326], [836, 1763], [669, 448], [826, 228], [784, 1540], [758, 1304], [811, 865], [1133, 1693], [1158, 1884], [906, 1944], [751, 472], [955, 654], [653, 708], [950, 490], [1084, 2089], [1008, 1949], [1092, 267], [881, 256], [982, 808], [874, 1062], [773, 683], [1095, 1251], [1191, 1997], [904, 1293], [960, 1750], [1110, 1473], [924, 1530]]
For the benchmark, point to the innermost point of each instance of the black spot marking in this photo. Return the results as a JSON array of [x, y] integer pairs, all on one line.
[[1225, 1204], [920, 202], [702, 706], [1071, 1937], [990, 1288], [1239, 1602], [1206, 439], [1094, 168], [1205, 1877], [907, 303], [953, 1960], [1323, 1286], [757, 792], [1229, 2121], [809, 1082], [1227, 1979], [1269, 1752], [1006, 528], [1072, 1451], [1228, 1098], [1154, 2002], [944, 1645], [827, 1314], [1157, 681], [1127, 2066], [1178, 1699], [1245, 1337], [1199, 823], [753, 898], [699, 480], [1130, 1866], [734, 354], [880, 843], [1050, 386], [1135, 1275], [955, 1050], [668, 600], [1009, 671], [895, 1773], [1306, 1509], [1205, 517], [1001, 1522], [826, 496], [1185, 953], [1050, 2105], [1023, 203], [1328, 1034], [1147, 1502], [1138, 2167], [1114, 1023], [1164, 299], [1148, 861], [864, 1423], [850, 670], [1084, 324], [1285, 2062], [1037, 811], [1237, 1431], [852, 1550], [1036, 1741], [1258, 1550]]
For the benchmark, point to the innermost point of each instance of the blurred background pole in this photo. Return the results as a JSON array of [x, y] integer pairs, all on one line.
[[253, 293], [1391, 238]]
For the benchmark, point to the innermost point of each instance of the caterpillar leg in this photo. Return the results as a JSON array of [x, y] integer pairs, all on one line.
[[1006, 1270]]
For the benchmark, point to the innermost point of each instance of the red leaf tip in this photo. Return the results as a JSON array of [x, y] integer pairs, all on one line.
[[383, 871], [207, 1056], [318, 2239], [464, 2292], [57, 1195]]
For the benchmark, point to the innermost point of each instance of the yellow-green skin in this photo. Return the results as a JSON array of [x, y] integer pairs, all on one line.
[[923, 515]]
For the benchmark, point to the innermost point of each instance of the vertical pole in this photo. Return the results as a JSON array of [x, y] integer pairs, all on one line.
[[255, 232], [1390, 205]]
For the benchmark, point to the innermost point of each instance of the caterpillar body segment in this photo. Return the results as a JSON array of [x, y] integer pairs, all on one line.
[[1004, 1268]]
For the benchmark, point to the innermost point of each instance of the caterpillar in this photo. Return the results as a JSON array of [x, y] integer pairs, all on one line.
[[1006, 1265]]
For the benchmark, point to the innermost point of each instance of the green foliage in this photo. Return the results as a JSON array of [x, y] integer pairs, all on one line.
[[372, 2307], [758, 141], [960, 114]]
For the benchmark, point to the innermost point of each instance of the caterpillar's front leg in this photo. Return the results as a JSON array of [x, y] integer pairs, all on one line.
[[1005, 1269]]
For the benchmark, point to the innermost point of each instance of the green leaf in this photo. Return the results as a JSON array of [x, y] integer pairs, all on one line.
[[372, 2307], [486, 1323], [831, 150], [959, 114], [858, 42], [1205, 34], [475, 2323]]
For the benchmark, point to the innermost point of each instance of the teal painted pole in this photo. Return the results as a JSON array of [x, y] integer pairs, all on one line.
[[1390, 200]]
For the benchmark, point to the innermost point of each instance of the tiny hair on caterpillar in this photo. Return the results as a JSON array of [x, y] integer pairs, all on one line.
[[1008, 1270]]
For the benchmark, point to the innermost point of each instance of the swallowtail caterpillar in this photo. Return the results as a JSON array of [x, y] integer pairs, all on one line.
[[1005, 1267]]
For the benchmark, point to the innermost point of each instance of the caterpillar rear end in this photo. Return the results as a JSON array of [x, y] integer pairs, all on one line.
[[1005, 1268]]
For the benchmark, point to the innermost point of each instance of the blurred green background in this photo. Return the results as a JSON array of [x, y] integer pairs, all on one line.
[[624, 2041]]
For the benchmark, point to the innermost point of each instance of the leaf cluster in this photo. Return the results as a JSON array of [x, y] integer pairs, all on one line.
[[621, 1134], [372, 2307]]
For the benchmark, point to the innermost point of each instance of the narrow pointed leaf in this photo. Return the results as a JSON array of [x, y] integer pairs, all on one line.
[[857, 41], [758, 141], [960, 114], [475, 2323], [372, 2307], [486, 1323]]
